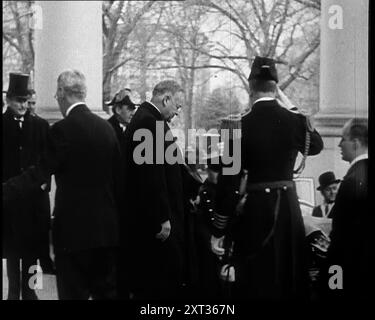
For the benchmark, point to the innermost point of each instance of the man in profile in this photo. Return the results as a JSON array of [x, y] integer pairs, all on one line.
[[352, 222], [153, 221], [83, 154]]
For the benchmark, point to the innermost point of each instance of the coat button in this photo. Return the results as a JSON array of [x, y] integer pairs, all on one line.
[[267, 190], [210, 210], [208, 200]]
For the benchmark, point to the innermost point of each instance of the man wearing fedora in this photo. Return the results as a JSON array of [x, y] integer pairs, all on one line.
[[123, 110], [328, 186], [25, 223], [268, 251]]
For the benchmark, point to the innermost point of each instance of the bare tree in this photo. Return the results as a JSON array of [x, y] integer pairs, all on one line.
[[187, 25], [119, 20], [267, 28], [18, 34]]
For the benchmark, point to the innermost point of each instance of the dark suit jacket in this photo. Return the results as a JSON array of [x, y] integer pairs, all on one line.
[[83, 154], [317, 212], [25, 223], [153, 195], [351, 232], [116, 126]]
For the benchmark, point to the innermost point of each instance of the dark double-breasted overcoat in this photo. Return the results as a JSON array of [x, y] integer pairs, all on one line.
[[25, 223], [153, 195]]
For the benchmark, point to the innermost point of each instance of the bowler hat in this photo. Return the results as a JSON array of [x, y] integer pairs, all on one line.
[[263, 69], [18, 85], [326, 179], [122, 98]]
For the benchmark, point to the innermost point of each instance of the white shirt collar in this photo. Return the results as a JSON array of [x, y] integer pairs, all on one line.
[[359, 158], [73, 106], [122, 126], [154, 106], [264, 99]]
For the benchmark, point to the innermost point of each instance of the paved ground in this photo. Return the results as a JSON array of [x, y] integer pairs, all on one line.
[[48, 292]]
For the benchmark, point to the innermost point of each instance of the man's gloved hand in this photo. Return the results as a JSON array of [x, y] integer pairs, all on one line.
[[217, 245], [165, 231], [227, 273]]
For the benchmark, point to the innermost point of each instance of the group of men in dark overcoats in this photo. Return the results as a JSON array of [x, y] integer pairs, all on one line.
[[121, 203], [83, 154]]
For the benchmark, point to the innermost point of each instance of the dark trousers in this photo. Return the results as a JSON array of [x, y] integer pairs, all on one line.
[[20, 278], [156, 270], [88, 273]]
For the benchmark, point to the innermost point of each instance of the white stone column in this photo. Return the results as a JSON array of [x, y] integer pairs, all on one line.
[[343, 63], [68, 35], [343, 80]]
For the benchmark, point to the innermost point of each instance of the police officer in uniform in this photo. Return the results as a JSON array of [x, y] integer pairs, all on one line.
[[268, 233]]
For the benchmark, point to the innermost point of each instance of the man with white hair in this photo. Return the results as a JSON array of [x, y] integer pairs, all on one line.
[[83, 154], [154, 198]]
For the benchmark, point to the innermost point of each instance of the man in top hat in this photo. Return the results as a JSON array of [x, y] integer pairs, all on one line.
[[328, 186], [123, 110], [25, 223], [268, 235]]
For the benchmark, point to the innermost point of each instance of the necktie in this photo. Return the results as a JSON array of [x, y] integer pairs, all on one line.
[[326, 210], [20, 121]]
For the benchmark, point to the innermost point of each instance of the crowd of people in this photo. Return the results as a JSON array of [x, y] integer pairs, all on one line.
[[129, 229]]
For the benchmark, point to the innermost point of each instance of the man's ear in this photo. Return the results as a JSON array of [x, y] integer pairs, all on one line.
[[166, 99], [116, 110], [357, 143]]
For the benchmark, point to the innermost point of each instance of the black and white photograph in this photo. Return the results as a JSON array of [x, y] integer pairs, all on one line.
[[186, 156]]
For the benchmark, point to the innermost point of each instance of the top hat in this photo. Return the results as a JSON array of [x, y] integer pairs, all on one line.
[[326, 179], [18, 85], [263, 69], [122, 98]]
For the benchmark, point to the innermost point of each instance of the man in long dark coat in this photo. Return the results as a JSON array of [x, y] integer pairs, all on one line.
[[154, 198], [83, 154], [25, 223], [352, 223], [268, 252]]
